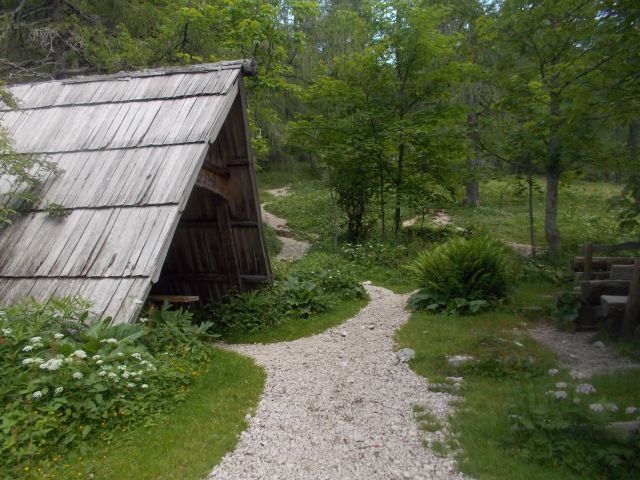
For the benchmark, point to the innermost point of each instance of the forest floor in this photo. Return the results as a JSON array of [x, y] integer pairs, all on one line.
[[343, 405]]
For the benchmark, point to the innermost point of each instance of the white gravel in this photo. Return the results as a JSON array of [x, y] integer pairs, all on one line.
[[338, 405]]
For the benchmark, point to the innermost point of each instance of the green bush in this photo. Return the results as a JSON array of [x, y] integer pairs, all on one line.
[[311, 285], [463, 275], [67, 382], [569, 426]]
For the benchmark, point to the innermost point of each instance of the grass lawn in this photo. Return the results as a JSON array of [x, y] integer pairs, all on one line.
[[187, 442], [302, 327], [584, 213], [480, 423]]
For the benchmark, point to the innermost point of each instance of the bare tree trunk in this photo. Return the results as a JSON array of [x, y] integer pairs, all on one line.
[[473, 163], [532, 232], [553, 176], [399, 180], [551, 214]]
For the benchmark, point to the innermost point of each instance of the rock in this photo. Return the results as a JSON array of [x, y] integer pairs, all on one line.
[[343, 333], [598, 344], [457, 360], [371, 327], [455, 379], [626, 428], [405, 355]]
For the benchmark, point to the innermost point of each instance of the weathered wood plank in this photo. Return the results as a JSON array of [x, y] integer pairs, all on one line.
[[632, 311]]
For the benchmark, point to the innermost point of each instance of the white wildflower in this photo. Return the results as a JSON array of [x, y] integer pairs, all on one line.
[[99, 362], [58, 336], [596, 407], [576, 401], [561, 385], [131, 385], [143, 320], [144, 386], [36, 394], [137, 356], [102, 373], [58, 390], [6, 332], [52, 364], [27, 348], [113, 375], [612, 407], [112, 341], [630, 410], [80, 354], [560, 394], [35, 339], [585, 389], [553, 371], [120, 354], [96, 357], [77, 375], [125, 374], [27, 361], [122, 367]]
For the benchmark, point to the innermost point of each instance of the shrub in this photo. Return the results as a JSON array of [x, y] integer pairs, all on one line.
[[569, 426], [71, 382], [463, 275], [311, 285]]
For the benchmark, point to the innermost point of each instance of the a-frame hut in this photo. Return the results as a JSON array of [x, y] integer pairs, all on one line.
[[158, 184]]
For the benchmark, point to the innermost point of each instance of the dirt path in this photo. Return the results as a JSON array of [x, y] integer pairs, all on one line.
[[338, 405], [292, 249], [579, 353]]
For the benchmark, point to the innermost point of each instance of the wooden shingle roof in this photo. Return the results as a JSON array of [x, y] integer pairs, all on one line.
[[131, 146]]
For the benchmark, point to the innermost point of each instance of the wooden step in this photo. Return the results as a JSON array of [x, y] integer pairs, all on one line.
[[611, 305], [592, 290], [621, 272], [600, 263]]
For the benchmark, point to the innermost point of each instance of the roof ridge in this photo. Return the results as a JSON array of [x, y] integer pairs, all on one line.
[[247, 66]]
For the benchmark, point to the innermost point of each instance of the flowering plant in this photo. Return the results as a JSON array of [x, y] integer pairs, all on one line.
[[558, 422], [72, 382]]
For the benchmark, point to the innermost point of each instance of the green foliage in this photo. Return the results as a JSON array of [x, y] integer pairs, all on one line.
[[463, 275], [21, 176], [566, 311], [558, 426], [74, 383]]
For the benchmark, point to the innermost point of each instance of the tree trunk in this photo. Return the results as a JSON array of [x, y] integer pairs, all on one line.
[[633, 140], [473, 163], [553, 175], [399, 180], [551, 213], [532, 231], [382, 202]]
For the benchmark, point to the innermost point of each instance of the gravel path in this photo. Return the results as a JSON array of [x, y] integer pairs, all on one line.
[[338, 405], [292, 249], [578, 352]]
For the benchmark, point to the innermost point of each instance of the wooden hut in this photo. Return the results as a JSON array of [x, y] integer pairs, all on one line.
[[158, 185]]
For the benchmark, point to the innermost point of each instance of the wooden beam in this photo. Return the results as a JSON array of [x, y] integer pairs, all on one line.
[[614, 247], [214, 182], [213, 277], [214, 224]]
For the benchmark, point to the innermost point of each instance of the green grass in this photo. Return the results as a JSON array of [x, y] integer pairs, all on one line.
[[190, 440], [295, 328], [480, 423], [583, 212], [274, 244]]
